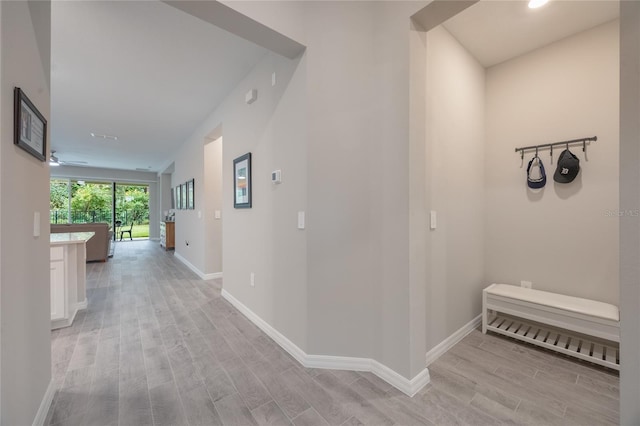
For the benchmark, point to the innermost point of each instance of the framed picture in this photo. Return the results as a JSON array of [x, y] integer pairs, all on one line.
[[178, 197], [242, 182], [183, 196], [190, 194], [188, 200], [30, 127]]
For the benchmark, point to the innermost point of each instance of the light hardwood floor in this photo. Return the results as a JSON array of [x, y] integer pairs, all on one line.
[[159, 346]]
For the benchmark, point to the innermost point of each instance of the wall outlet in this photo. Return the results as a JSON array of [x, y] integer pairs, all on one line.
[[526, 284], [251, 96], [252, 279]]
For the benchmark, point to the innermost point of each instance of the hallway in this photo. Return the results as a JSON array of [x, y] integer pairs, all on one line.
[[159, 346]]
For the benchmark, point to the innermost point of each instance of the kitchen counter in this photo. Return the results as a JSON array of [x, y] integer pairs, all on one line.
[[68, 258], [70, 238]]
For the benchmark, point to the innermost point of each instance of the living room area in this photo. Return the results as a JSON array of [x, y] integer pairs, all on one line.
[[115, 211]]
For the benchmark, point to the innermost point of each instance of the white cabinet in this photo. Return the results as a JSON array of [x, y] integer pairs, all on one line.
[[58, 292], [68, 276]]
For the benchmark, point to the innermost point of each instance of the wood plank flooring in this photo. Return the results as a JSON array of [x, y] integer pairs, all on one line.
[[158, 346]]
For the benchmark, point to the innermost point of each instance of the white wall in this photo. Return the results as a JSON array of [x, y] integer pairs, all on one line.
[[213, 202], [1, 202], [629, 224], [189, 228], [418, 196], [25, 355], [342, 142], [164, 193], [455, 146], [263, 239], [561, 237], [345, 255]]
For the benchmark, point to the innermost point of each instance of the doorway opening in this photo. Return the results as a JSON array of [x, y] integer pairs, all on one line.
[[131, 211]]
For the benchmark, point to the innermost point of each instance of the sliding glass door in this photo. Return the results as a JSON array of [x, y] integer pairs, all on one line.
[[123, 206]]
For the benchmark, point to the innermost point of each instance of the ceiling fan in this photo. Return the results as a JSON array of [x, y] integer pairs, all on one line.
[[55, 161]]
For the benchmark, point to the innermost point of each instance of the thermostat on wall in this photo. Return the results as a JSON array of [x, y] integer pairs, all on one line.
[[276, 176]]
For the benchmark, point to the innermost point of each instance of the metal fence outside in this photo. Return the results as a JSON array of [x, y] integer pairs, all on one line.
[[126, 216]]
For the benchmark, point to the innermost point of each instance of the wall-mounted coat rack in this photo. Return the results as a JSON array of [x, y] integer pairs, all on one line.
[[583, 141]]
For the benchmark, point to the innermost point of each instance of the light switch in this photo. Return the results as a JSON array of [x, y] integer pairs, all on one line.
[[217, 214], [36, 224], [300, 220], [199, 214], [432, 219]]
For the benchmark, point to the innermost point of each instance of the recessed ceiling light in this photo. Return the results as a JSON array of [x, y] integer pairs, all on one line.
[[534, 4], [101, 136]]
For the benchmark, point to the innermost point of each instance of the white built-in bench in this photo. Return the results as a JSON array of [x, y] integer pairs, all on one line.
[[581, 328]]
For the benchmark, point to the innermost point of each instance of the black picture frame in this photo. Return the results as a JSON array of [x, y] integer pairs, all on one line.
[[178, 198], [183, 196], [188, 199], [29, 127], [191, 194], [242, 191]]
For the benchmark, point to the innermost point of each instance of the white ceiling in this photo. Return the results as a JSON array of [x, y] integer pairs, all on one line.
[[140, 70], [495, 31]]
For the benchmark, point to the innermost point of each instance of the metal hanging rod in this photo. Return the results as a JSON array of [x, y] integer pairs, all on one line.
[[583, 141]]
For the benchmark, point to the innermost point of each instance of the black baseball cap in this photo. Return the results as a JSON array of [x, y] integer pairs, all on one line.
[[536, 177], [568, 167]]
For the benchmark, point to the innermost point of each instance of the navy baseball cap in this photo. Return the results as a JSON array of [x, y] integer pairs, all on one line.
[[536, 177]]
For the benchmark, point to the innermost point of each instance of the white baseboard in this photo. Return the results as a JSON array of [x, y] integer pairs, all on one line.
[[338, 362], [212, 276], [189, 265], [197, 271], [450, 341], [60, 323], [66, 322], [45, 404], [409, 387], [286, 344]]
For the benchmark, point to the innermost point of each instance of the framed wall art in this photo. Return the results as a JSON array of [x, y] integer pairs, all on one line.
[[30, 127], [190, 194], [183, 196], [242, 182]]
